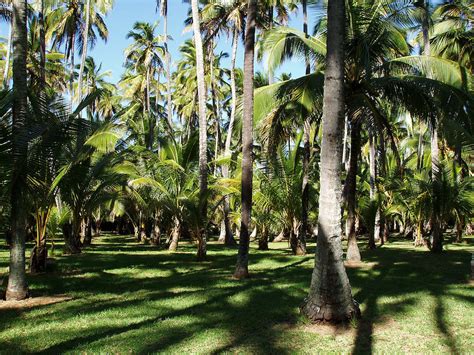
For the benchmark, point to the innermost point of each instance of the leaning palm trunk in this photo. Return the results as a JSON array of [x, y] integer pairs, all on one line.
[[241, 269], [353, 253], [330, 297], [202, 125], [84, 50], [17, 288]]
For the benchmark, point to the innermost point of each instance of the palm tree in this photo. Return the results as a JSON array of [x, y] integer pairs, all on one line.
[[451, 36], [330, 296], [202, 124], [66, 26], [241, 270], [17, 288], [163, 5], [6, 14], [85, 42]]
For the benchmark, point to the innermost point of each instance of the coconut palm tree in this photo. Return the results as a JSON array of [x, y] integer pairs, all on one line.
[[6, 15], [451, 35], [201, 92], [330, 296], [241, 270], [163, 6], [17, 288], [65, 25]]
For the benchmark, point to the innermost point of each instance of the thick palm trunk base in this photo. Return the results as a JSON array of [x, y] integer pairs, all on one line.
[[437, 238], [297, 246], [329, 313], [419, 240], [17, 288], [88, 234], [353, 253], [155, 236], [16, 295], [226, 235], [263, 241], [38, 259], [72, 241], [372, 244], [241, 271], [280, 237], [202, 250], [175, 234]]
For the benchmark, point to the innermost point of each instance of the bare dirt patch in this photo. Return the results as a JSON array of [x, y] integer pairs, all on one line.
[[33, 302], [360, 265]]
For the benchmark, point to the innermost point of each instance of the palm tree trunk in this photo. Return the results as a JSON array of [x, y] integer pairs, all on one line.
[[330, 296], [9, 52], [241, 270], [41, 16], [175, 234], [437, 233], [350, 190], [84, 50], [306, 155], [229, 237], [373, 186], [17, 288], [169, 106], [436, 230], [271, 74], [202, 122], [71, 79]]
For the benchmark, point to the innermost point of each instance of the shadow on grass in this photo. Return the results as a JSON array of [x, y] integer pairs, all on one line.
[[406, 272], [118, 275]]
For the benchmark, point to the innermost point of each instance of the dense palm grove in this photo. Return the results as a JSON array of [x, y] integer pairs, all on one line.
[[374, 140]]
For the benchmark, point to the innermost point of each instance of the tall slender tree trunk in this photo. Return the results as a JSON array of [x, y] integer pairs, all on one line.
[[169, 107], [202, 126], [41, 16], [17, 288], [85, 43], [9, 52], [330, 295], [271, 74], [384, 227], [373, 186], [72, 49], [301, 248], [436, 231], [229, 237], [353, 253], [241, 270]]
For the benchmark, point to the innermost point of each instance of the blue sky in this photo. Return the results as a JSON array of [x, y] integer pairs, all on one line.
[[126, 12]]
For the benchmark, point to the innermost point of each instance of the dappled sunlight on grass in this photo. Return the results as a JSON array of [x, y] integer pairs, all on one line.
[[127, 297]]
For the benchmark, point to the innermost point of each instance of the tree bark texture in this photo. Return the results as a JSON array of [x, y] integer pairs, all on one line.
[[17, 288], [330, 297], [241, 270], [202, 120]]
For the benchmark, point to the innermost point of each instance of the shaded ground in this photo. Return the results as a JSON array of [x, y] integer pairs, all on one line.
[[122, 297]]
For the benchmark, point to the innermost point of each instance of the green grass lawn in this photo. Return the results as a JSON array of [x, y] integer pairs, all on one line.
[[133, 298]]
